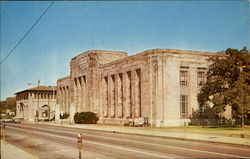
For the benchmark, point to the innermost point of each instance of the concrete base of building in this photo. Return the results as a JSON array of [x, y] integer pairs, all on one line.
[[152, 122], [177, 122]]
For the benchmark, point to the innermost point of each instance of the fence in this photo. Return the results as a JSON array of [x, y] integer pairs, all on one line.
[[218, 122]]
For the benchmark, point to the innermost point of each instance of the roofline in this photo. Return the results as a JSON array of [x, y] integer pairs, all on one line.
[[167, 51], [98, 51], [33, 89]]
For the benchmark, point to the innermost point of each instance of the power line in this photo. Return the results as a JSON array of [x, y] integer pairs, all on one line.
[[44, 12]]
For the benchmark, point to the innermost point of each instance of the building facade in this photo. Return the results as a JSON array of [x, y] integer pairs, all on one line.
[[159, 84], [36, 103]]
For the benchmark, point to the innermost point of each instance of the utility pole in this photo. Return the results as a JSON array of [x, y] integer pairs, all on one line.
[[53, 100], [38, 101]]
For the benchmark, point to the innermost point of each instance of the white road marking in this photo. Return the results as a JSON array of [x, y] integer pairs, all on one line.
[[100, 144], [176, 147]]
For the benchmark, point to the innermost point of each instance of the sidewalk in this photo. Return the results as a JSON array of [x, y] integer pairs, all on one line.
[[9, 151], [163, 132]]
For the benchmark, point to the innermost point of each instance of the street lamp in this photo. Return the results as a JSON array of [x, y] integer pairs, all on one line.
[[53, 100], [37, 112]]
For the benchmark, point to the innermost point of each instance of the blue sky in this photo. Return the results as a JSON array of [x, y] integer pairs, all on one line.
[[70, 28]]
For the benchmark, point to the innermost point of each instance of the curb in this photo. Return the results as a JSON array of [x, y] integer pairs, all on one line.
[[188, 136]]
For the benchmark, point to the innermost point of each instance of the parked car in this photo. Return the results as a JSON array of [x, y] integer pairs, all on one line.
[[137, 122], [8, 120], [129, 122], [17, 120]]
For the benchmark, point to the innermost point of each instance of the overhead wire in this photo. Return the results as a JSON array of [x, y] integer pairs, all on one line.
[[40, 17]]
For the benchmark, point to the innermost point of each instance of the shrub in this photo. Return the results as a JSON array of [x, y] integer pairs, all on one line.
[[64, 116], [86, 118]]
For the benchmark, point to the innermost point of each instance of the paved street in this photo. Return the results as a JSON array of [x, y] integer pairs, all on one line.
[[48, 142]]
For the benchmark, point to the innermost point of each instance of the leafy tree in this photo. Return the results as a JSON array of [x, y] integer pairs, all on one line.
[[9, 103], [228, 83]]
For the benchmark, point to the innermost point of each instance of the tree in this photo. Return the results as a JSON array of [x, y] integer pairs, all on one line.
[[8, 104], [228, 83]]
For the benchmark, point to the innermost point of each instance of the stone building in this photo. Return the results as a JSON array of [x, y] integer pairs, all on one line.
[[159, 84], [38, 101]]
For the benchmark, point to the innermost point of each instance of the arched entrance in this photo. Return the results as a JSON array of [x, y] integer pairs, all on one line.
[[45, 112]]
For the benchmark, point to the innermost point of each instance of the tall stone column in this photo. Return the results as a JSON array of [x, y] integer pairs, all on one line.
[[72, 112], [57, 113], [133, 77], [119, 95], [128, 94], [63, 100], [59, 98], [83, 93], [109, 96], [67, 99], [124, 91]]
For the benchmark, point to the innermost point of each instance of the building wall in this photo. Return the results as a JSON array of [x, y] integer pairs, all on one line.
[[63, 96], [118, 87], [31, 104], [175, 61]]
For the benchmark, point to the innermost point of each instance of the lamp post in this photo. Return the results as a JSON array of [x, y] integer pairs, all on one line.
[[53, 99], [38, 83], [37, 112]]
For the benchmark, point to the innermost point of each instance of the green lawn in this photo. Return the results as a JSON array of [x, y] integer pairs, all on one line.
[[220, 130]]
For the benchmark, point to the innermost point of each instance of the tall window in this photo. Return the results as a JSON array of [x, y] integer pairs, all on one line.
[[201, 77], [184, 105], [183, 78]]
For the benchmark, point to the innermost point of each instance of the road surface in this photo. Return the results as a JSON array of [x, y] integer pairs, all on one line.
[[51, 142]]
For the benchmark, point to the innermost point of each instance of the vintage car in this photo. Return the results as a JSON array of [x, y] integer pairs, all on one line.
[[17, 120], [8, 120], [137, 122]]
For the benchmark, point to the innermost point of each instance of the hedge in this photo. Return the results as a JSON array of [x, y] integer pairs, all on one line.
[[85, 118]]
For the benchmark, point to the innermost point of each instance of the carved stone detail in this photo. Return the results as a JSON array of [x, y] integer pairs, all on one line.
[[93, 60]]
